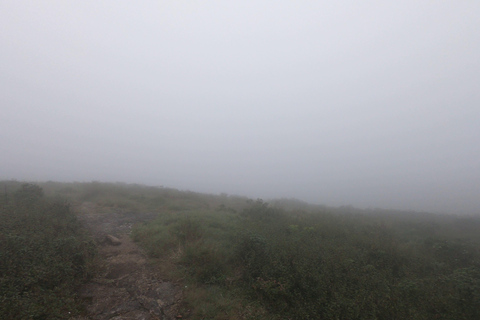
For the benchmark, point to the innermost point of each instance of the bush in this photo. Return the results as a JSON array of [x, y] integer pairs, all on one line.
[[44, 255], [318, 262], [28, 194]]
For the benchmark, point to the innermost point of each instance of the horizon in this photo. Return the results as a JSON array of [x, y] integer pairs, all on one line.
[[362, 104], [252, 197]]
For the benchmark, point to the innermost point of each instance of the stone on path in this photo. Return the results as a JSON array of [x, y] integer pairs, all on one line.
[[114, 241]]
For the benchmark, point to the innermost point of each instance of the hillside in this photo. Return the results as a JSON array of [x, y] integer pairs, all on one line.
[[237, 258]]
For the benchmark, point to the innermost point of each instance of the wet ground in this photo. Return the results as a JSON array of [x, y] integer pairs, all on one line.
[[126, 286]]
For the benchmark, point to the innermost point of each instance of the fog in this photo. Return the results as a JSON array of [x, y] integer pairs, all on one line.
[[363, 103]]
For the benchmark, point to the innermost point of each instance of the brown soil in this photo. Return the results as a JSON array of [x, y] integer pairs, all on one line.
[[126, 286]]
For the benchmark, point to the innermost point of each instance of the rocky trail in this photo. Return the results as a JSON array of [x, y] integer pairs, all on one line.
[[126, 286]]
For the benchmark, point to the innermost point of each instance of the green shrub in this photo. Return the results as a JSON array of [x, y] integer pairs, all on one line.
[[44, 255], [247, 259], [28, 194]]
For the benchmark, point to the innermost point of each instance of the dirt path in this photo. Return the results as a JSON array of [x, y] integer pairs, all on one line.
[[126, 287]]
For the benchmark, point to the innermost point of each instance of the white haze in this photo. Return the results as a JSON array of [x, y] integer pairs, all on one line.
[[368, 103]]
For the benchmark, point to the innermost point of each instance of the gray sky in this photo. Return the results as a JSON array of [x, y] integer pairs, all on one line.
[[368, 103]]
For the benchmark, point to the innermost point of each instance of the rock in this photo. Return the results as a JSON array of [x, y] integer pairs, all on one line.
[[114, 241]]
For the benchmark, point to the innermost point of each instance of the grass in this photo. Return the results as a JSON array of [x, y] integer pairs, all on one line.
[[244, 259], [44, 256], [324, 264]]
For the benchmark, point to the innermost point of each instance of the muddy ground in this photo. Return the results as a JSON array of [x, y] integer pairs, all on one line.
[[126, 285]]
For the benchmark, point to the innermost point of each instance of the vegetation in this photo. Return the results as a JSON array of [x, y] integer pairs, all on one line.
[[244, 259], [44, 256], [329, 264]]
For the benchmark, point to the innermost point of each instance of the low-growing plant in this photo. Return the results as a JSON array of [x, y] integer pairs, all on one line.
[[44, 256], [329, 264], [250, 260]]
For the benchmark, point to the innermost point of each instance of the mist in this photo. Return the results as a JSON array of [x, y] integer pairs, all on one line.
[[369, 104]]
